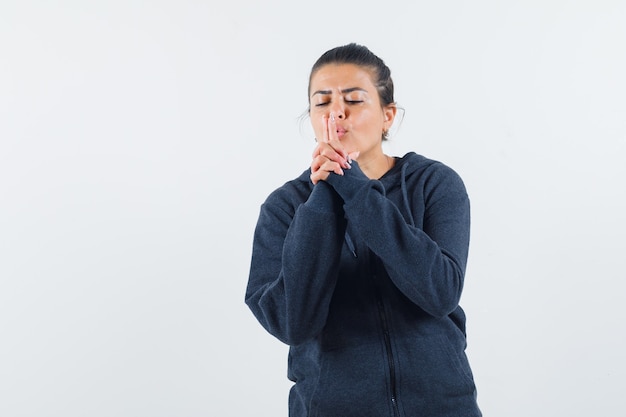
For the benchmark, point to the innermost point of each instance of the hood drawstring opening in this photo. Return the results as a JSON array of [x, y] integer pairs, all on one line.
[[405, 195], [350, 244]]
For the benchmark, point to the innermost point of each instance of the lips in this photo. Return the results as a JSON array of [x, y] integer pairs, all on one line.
[[341, 132]]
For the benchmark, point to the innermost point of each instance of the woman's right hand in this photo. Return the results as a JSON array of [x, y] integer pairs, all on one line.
[[329, 155]]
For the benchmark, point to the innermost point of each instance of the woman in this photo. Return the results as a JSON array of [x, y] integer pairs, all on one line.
[[358, 264]]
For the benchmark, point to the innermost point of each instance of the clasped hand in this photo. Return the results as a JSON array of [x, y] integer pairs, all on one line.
[[330, 155]]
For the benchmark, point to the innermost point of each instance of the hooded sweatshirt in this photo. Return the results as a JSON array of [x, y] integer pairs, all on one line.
[[362, 279]]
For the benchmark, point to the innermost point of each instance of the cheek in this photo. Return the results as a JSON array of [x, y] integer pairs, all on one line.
[[317, 123], [376, 120]]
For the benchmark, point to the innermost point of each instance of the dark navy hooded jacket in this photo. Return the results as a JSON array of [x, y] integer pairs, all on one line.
[[362, 279]]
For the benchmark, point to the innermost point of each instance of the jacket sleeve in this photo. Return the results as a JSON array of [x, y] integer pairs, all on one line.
[[295, 263], [426, 264]]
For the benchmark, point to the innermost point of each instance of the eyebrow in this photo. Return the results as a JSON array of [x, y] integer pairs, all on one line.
[[345, 91]]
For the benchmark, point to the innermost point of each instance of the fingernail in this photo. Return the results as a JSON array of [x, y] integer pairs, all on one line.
[[332, 117]]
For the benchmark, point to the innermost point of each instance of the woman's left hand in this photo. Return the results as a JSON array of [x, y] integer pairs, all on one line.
[[330, 155]]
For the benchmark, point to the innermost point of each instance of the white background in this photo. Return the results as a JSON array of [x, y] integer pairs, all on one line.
[[139, 138]]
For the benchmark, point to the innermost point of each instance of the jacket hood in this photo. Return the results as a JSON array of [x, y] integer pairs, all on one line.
[[395, 177], [403, 167]]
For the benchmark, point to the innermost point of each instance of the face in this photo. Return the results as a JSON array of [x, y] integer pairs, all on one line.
[[348, 92]]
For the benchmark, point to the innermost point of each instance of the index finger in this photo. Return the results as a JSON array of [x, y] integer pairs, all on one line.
[[325, 137], [334, 137]]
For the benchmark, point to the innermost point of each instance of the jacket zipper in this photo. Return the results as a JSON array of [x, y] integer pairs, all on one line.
[[387, 338]]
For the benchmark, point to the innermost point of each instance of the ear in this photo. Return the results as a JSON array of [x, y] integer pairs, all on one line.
[[389, 114]]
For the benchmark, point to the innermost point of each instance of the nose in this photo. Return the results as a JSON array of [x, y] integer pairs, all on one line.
[[339, 110]]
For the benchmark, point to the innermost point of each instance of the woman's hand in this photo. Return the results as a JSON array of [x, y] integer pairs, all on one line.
[[330, 155]]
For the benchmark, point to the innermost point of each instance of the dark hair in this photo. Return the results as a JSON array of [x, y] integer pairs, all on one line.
[[361, 56]]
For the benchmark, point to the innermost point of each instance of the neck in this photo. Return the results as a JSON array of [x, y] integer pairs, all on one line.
[[376, 166]]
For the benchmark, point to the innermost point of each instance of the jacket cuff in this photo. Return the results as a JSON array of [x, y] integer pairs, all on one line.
[[351, 182], [323, 199]]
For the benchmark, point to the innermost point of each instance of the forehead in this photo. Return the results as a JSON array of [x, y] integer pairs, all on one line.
[[342, 76]]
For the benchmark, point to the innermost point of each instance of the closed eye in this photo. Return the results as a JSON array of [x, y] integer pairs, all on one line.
[[347, 101]]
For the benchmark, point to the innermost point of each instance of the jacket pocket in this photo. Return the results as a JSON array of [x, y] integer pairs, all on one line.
[[431, 367], [351, 384]]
